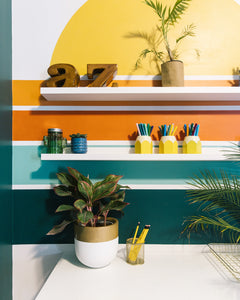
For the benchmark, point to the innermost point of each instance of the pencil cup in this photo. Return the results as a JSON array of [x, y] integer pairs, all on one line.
[[192, 145], [168, 145], [143, 145], [134, 252]]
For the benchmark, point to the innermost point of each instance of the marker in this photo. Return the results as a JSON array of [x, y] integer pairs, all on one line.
[[174, 130]]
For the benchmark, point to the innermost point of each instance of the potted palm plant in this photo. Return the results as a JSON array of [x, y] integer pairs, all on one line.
[[96, 235], [172, 69]]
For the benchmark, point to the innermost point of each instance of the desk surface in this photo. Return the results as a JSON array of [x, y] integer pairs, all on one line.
[[169, 273]]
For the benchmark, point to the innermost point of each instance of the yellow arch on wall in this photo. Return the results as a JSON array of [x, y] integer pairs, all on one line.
[[97, 34]]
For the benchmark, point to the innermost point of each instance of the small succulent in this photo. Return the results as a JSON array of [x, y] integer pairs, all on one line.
[[87, 201], [78, 135]]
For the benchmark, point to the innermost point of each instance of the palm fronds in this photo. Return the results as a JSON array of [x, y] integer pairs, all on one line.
[[219, 203]]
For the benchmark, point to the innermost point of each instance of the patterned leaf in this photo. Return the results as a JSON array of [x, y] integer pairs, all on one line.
[[64, 207], [62, 191], [66, 179], [78, 176], [85, 216], [80, 204], [59, 228], [85, 190]]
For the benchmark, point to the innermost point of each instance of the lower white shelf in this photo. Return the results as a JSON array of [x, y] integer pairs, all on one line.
[[135, 157]]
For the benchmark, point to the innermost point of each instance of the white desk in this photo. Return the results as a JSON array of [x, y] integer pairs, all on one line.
[[170, 272]]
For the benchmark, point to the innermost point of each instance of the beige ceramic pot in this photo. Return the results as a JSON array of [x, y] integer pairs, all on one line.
[[96, 247], [172, 73]]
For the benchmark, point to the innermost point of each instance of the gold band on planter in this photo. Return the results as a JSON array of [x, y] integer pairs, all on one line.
[[97, 234]]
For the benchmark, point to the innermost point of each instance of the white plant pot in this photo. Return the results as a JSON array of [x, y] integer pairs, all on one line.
[[96, 247]]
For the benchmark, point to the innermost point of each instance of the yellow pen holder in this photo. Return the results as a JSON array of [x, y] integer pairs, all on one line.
[[192, 145], [143, 145], [134, 252], [168, 145]]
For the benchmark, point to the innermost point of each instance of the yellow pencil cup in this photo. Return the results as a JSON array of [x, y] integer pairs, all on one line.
[[134, 252], [192, 145], [143, 145], [168, 145]]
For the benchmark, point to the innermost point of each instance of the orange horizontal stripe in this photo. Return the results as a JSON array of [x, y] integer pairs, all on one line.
[[27, 92], [33, 125]]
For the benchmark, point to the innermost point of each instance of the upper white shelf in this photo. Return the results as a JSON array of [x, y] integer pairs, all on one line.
[[141, 93]]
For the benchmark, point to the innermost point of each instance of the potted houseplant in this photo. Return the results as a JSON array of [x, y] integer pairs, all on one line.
[[96, 235], [79, 143], [172, 70]]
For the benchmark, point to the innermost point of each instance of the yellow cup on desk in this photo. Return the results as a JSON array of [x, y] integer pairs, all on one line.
[[192, 145], [168, 145], [144, 145]]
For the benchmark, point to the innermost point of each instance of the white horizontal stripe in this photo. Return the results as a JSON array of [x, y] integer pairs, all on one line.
[[132, 186], [158, 77], [127, 108]]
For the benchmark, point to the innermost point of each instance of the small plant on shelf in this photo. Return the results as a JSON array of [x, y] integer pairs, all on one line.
[[88, 203], [78, 135], [79, 143], [159, 47]]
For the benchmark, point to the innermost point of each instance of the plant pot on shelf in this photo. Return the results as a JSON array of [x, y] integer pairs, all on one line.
[[79, 144], [172, 73], [97, 246]]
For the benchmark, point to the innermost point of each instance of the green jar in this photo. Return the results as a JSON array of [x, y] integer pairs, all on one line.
[[54, 141]]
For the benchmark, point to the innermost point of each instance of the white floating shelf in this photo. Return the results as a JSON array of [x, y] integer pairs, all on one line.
[[141, 94], [135, 157]]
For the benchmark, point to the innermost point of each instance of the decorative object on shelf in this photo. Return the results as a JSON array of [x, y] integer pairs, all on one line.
[[218, 201], [62, 75], [192, 143], [168, 143], [107, 73], [143, 144], [54, 141], [172, 70], [135, 246], [96, 235], [78, 143]]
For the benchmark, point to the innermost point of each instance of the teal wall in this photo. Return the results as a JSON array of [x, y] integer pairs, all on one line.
[[5, 151]]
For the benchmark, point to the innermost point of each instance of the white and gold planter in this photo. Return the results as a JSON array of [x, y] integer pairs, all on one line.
[[96, 247]]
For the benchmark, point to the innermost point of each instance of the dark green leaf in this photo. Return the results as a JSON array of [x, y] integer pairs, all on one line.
[[66, 179], [78, 176]]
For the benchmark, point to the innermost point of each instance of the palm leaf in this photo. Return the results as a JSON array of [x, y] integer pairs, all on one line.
[[175, 14], [188, 31], [219, 202]]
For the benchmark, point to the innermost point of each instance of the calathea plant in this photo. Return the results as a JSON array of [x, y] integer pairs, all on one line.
[[88, 202]]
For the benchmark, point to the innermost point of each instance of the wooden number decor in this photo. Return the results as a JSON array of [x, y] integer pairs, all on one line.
[[106, 71], [62, 75]]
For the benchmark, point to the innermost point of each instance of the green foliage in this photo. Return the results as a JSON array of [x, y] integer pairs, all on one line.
[[168, 18], [219, 204], [78, 135], [87, 202]]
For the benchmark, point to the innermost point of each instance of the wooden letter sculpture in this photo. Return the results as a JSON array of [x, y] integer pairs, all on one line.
[[62, 75], [107, 73]]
